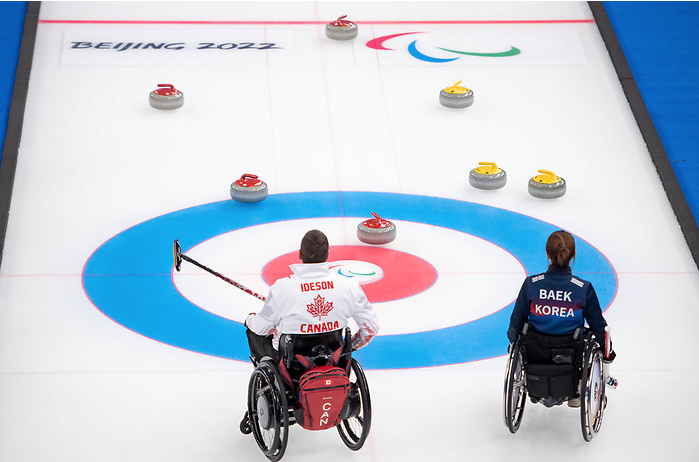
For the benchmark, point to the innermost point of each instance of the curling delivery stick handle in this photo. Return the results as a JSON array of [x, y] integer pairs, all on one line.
[[179, 257], [221, 276]]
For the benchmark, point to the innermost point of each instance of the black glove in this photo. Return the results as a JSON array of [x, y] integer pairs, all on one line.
[[611, 358]]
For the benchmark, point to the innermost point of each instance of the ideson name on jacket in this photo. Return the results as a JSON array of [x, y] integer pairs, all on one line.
[[321, 285]]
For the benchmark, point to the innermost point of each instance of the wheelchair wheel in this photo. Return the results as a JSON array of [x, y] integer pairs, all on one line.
[[268, 411], [355, 429], [592, 394], [515, 393]]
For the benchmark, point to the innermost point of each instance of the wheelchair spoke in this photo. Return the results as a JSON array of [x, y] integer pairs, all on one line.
[[593, 402], [268, 411], [268, 437], [262, 390], [354, 427], [354, 430], [515, 393]]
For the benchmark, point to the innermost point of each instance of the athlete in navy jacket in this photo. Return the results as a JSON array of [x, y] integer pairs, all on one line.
[[557, 302]]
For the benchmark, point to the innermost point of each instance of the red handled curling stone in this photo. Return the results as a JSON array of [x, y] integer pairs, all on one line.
[[341, 29], [166, 97], [376, 231], [249, 188]]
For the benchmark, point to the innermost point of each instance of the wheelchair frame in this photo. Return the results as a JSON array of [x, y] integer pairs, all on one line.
[[592, 388], [270, 403]]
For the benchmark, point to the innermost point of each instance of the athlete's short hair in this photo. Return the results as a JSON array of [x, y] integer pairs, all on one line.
[[314, 247], [560, 248]]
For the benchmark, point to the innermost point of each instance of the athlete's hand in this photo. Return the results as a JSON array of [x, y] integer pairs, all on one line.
[[248, 319]]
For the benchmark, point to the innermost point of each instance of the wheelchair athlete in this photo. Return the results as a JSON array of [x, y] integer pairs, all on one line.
[[313, 300], [302, 348], [556, 304]]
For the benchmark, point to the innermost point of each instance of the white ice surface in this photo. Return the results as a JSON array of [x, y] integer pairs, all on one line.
[[95, 159]]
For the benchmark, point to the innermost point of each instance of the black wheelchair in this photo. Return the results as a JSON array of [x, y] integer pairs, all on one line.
[[275, 400], [553, 369]]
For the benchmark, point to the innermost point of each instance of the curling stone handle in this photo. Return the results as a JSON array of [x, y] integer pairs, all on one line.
[[549, 173], [490, 164]]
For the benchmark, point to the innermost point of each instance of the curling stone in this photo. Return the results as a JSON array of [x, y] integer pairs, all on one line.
[[456, 97], [487, 176], [166, 96], [341, 29], [547, 185], [249, 188], [376, 231]]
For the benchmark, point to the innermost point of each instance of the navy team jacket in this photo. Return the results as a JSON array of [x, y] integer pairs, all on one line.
[[556, 303]]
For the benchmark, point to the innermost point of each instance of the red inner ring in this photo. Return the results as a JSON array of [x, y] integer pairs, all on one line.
[[404, 275]]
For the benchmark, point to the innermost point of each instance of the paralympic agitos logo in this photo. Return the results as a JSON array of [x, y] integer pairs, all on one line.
[[378, 44]]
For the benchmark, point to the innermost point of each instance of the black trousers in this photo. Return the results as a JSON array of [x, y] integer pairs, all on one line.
[[261, 346]]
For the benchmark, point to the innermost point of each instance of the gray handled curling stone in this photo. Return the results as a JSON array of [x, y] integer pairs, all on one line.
[[341, 29], [249, 188], [487, 176], [456, 97], [547, 185], [376, 231], [166, 96]]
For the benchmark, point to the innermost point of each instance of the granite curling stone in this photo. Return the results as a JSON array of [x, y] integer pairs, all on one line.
[[456, 97], [249, 188], [376, 231], [487, 176], [166, 97], [547, 185], [341, 29]]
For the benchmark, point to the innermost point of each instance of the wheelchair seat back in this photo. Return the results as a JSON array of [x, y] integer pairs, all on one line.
[[552, 364], [301, 352]]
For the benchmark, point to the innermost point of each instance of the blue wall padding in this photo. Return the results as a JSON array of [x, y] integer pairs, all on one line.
[[11, 25], [661, 43]]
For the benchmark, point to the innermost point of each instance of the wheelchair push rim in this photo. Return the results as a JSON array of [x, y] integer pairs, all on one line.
[[593, 398], [515, 393], [354, 430], [268, 410]]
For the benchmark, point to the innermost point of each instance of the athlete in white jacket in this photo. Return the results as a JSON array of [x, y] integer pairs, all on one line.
[[310, 301]]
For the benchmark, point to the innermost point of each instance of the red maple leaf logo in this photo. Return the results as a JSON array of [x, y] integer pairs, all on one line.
[[320, 307]]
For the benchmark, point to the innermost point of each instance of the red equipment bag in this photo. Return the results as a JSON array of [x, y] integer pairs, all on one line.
[[322, 394]]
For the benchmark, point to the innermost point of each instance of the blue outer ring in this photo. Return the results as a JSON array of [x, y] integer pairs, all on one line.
[[129, 278]]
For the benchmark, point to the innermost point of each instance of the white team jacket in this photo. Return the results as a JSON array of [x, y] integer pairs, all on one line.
[[315, 300]]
